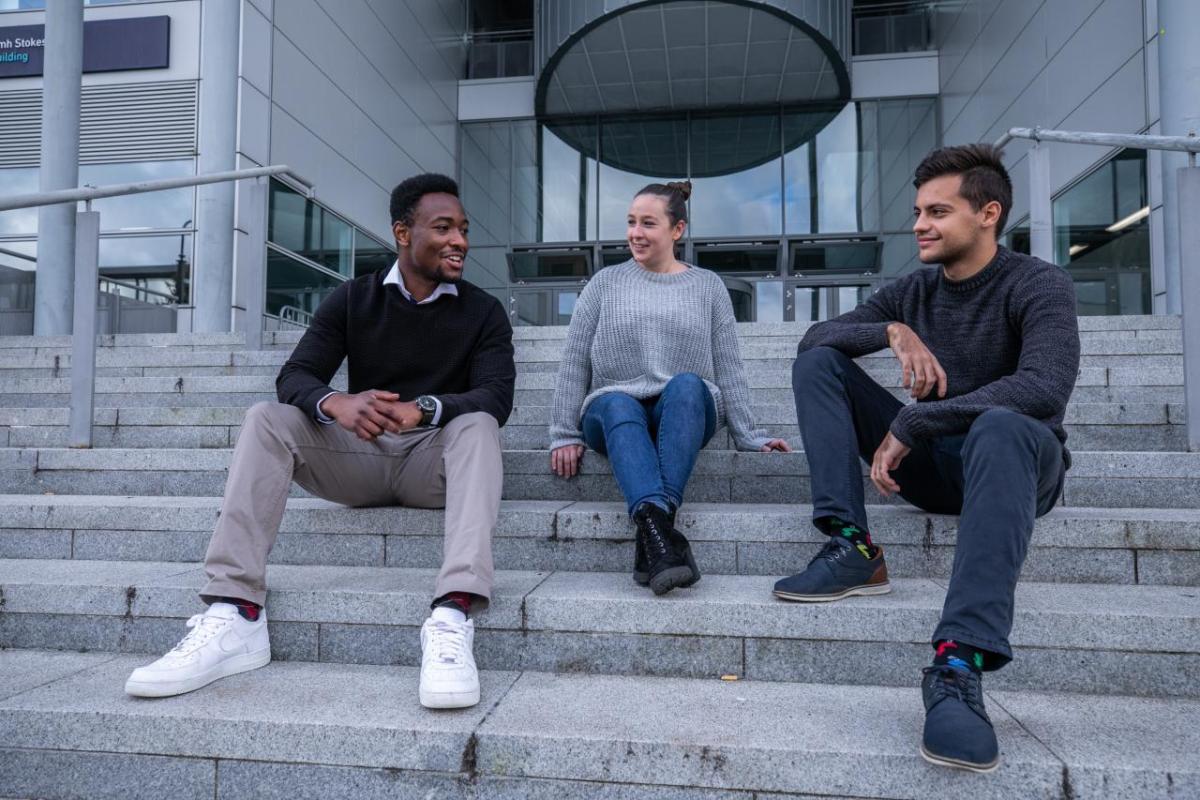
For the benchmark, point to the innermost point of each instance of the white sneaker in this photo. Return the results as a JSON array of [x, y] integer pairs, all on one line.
[[448, 675], [220, 643]]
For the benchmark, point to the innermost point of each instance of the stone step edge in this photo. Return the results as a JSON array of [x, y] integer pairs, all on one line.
[[530, 725], [1085, 617], [1175, 529]]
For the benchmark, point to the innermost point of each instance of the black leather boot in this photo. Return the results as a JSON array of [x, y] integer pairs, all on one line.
[[662, 550]]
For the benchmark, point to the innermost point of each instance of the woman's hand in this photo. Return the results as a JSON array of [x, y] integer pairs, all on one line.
[[776, 445], [564, 461]]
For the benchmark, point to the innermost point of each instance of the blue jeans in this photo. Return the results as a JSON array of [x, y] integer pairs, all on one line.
[[652, 444], [1004, 472]]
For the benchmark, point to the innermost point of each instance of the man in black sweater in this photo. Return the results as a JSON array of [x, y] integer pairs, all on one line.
[[989, 347], [431, 377]]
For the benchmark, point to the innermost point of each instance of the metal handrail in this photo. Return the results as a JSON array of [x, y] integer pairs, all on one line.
[[1138, 141], [140, 289], [1041, 230], [87, 272], [296, 316], [88, 193]]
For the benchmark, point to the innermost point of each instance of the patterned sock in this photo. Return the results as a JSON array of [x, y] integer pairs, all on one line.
[[959, 655], [246, 609], [457, 600], [859, 537]]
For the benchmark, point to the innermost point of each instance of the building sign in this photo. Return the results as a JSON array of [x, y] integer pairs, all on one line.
[[109, 45]]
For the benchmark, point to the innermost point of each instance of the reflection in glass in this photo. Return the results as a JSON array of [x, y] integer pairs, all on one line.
[[16, 287], [308, 230], [161, 263], [23, 180], [171, 208], [370, 255], [1102, 235], [635, 153], [568, 181], [293, 283], [768, 298], [736, 178], [830, 178], [762, 259], [550, 264]]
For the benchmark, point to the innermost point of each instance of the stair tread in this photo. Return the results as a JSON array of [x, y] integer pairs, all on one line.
[[749, 735]]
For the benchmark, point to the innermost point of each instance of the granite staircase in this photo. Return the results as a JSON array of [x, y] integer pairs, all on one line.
[[592, 687]]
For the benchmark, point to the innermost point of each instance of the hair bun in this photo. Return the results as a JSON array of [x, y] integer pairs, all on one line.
[[683, 187]]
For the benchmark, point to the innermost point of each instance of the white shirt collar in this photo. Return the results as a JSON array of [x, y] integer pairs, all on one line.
[[395, 277]]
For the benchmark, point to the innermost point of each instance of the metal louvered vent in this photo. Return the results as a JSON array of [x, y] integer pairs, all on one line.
[[131, 122]]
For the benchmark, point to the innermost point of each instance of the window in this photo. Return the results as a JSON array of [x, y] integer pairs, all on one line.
[[892, 26], [1102, 237], [501, 39]]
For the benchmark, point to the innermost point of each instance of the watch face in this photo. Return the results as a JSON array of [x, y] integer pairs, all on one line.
[[426, 403]]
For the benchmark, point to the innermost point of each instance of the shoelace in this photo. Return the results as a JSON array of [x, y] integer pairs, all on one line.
[[952, 682], [447, 642], [831, 551], [203, 629], [656, 540]]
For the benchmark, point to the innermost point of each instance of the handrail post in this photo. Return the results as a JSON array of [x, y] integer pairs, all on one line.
[[1041, 210], [1189, 284], [83, 332], [252, 271]]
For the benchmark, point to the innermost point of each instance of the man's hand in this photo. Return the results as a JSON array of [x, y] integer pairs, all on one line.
[[564, 461], [922, 372], [777, 445], [888, 457], [368, 414]]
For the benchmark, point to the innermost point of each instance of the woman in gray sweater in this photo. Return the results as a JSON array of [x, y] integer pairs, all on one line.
[[651, 369]]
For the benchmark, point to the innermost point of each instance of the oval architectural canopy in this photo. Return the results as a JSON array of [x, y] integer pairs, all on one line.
[[606, 57]]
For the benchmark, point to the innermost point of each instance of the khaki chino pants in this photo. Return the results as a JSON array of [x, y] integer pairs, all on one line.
[[457, 467]]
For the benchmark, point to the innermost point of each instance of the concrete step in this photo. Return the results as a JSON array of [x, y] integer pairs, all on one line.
[[302, 730], [1090, 426], [1082, 545], [1096, 351], [1109, 479], [604, 623]]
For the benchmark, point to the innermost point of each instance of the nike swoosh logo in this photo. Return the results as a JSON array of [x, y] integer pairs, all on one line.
[[225, 637]]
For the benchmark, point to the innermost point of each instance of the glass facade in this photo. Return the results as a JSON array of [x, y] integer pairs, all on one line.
[[1102, 237], [784, 200], [311, 250], [145, 245]]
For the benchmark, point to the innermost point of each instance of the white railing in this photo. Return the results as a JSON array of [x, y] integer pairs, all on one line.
[[1041, 230], [87, 273]]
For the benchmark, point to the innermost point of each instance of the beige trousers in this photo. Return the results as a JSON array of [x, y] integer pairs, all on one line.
[[457, 467]]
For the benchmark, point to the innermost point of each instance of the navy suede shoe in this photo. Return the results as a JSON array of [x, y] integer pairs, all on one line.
[[838, 570], [958, 732]]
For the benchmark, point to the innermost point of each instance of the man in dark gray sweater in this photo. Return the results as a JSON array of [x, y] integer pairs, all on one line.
[[989, 347]]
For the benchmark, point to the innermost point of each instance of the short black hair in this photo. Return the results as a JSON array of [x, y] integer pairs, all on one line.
[[984, 177], [410, 191]]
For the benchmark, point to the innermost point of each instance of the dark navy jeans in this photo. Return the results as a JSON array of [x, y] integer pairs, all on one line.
[[652, 444], [1004, 472]]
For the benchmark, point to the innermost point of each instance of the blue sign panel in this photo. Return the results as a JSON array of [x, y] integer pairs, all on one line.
[[109, 45]]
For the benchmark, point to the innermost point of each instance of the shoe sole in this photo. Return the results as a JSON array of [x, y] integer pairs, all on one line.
[[449, 699], [231, 666], [643, 578], [865, 589], [943, 761], [672, 578]]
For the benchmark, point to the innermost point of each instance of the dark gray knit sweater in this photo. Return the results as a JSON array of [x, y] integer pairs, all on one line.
[[1007, 337]]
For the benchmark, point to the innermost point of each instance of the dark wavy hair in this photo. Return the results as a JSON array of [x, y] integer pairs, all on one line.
[[409, 192], [676, 193], [984, 177]]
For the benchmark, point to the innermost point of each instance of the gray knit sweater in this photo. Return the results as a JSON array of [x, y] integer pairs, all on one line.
[[633, 330], [1007, 337]]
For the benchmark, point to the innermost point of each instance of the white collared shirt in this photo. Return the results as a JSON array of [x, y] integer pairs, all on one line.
[[395, 278]]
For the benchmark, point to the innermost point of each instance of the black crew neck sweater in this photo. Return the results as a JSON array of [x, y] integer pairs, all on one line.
[[457, 348], [1007, 337]]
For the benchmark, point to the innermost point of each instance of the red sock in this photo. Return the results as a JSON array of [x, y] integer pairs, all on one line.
[[246, 609], [459, 600]]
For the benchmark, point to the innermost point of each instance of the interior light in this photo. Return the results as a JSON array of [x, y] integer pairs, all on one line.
[[1136, 216], [1076, 249]]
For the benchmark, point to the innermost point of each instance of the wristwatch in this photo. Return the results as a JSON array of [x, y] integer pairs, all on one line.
[[428, 408]]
